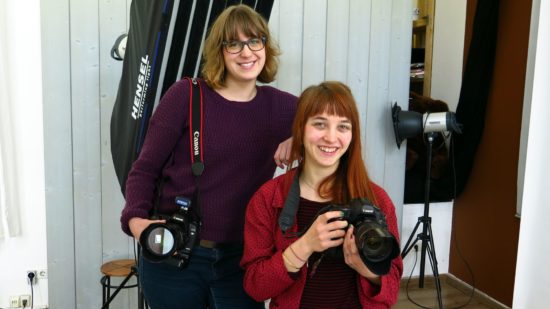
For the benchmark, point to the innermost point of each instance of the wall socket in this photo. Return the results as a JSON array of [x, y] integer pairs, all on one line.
[[20, 301], [14, 302], [25, 301], [31, 279], [42, 274]]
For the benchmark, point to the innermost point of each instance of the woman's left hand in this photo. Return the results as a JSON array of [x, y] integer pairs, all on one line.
[[353, 259]]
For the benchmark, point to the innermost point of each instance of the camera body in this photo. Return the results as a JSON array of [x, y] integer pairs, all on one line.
[[377, 246], [173, 241]]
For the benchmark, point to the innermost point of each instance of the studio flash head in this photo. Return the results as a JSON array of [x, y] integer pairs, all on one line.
[[407, 124]]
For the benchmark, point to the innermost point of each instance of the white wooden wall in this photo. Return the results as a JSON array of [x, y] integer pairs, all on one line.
[[364, 43]]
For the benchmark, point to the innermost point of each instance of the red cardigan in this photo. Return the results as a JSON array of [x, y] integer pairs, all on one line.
[[266, 276]]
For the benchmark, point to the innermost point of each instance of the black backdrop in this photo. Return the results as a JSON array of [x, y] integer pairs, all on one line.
[[472, 103]]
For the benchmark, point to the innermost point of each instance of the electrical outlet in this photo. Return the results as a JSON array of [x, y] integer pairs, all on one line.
[[43, 274], [14, 302], [25, 301], [31, 277]]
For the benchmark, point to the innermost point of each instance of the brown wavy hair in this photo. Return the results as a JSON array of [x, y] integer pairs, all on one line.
[[235, 19], [351, 179]]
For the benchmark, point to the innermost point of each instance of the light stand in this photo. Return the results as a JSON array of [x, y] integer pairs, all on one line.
[[426, 236], [407, 124]]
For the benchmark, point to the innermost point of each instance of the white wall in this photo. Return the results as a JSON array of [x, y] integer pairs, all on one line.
[[28, 251], [532, 283], [448, 51]]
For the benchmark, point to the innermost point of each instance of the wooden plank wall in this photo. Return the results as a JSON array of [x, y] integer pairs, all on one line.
[[364, 43], [56, 84]]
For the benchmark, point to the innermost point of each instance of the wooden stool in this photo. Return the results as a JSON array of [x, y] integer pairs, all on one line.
[[118, 268]]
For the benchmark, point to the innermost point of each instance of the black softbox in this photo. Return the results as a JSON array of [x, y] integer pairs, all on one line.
[[164, 44]]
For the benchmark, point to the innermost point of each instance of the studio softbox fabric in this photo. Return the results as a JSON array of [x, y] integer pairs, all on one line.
[[164, 44]]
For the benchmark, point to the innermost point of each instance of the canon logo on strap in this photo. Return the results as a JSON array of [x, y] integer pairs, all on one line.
[[196, 135]]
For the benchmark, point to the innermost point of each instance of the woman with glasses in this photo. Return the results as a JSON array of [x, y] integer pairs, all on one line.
[[245, 128]]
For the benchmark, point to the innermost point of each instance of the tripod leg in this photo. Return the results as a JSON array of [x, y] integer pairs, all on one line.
[[433, 263], [426, 220], [408, 248], [431, 239]]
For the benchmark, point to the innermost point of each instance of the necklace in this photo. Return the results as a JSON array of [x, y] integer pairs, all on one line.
[[312, 193]]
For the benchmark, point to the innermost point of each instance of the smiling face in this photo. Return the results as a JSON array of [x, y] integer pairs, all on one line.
[[244, 66], [326, 140]]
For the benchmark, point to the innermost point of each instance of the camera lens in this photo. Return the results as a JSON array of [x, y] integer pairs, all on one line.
[[374, 242], [160, 241]]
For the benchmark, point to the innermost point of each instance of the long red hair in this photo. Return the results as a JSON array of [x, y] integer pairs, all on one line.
[[351, 179]]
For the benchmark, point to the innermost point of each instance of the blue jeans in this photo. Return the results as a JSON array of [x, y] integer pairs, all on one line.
[[213, 279]]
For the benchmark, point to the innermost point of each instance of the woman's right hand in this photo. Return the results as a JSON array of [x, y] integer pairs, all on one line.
[[282, 154], [137, 225], [323, 234]]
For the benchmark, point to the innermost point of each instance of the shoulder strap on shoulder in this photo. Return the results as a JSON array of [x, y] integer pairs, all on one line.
[[286, 218]]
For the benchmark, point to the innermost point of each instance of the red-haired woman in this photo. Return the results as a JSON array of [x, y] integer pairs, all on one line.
[[316, 263]]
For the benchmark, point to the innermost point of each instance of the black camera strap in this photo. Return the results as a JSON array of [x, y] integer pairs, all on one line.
[[288, 214], [290, 209], [196, 119]]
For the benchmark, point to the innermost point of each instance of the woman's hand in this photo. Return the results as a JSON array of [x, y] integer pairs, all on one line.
[[137, 225], [323, 234], [353, 259], [282, 154]]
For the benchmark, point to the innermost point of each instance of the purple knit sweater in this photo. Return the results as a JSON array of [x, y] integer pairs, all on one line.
[[239, 141]]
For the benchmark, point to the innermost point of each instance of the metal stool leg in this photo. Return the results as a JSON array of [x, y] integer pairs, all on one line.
[[121, 286], [108, 291], [104, 289]]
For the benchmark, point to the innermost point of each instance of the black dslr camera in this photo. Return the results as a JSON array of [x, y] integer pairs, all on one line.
[[377, 246], [171, 242]]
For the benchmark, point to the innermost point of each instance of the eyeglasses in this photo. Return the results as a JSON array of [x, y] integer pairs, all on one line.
[[235, 46]]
